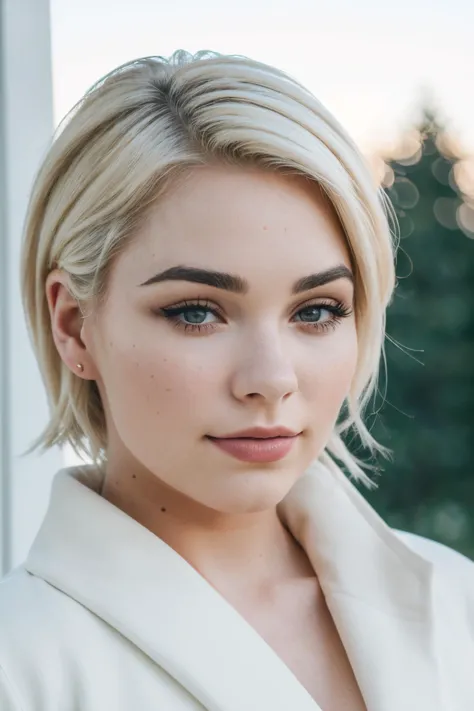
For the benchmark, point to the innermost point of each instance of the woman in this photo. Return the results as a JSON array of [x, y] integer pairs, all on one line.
[[206, 269]]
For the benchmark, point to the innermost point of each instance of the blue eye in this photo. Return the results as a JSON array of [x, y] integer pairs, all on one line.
[[320, 317], [192, 316], [311, 314]]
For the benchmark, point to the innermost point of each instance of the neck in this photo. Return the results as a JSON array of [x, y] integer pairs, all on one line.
[[251, 553]]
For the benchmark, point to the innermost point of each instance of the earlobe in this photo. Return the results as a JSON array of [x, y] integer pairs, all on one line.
[[67, 324]]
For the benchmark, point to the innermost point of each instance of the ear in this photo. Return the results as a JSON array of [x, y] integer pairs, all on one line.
[[67, 323]]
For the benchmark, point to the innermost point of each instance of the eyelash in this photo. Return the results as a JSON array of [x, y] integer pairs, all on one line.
[[339, 311]]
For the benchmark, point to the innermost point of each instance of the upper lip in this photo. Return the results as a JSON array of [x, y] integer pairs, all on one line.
[[261, 433]]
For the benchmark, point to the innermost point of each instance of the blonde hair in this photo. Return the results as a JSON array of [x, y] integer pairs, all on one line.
[[119, 148]]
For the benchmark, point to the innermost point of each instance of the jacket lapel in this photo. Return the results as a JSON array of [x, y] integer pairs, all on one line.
[[379, 592], [155, 599]]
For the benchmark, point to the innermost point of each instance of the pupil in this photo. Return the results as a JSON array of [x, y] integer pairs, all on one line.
[[196, 315]]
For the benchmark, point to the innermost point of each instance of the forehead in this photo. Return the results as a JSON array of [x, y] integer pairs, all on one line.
[[246, 221]]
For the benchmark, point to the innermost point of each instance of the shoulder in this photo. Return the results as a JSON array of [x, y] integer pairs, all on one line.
[[30, 609], [445, 560], [453, 597], [9, 698], [33, 610], [44, 634], [23, 622], [28, 605]]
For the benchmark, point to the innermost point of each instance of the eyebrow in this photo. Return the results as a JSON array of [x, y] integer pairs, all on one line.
[[237, 285]]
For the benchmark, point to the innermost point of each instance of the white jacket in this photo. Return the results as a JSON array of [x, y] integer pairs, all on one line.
[[104, 616]]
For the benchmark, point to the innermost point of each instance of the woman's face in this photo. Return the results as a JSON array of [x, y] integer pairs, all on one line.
[[231, 309]]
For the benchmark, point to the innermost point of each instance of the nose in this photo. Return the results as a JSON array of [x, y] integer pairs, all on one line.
[[265, 373]]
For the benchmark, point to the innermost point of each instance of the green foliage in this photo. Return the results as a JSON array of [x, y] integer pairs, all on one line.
[[427, 419]]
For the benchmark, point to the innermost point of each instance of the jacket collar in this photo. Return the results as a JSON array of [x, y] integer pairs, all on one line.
[[379, 592]]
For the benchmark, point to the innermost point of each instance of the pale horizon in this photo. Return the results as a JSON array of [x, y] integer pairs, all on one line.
[[371, 66]]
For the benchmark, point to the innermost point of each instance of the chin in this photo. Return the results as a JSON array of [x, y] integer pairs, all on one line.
[[255, 492]]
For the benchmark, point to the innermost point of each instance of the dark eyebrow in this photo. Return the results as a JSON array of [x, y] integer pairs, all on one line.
[[231, 282], [219, 280], [321, 278]]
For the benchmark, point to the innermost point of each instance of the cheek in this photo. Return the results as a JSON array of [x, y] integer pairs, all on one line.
[[329, 378], [151, 386]]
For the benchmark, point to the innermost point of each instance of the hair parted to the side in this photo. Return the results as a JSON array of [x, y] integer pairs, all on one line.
[[120, 148]]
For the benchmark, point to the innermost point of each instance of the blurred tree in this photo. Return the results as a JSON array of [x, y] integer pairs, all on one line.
[[428, 416]]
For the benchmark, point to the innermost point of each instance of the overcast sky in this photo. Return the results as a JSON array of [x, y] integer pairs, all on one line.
[[369, 61]]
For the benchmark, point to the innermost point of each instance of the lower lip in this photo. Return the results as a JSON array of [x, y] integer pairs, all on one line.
[[256, 450]]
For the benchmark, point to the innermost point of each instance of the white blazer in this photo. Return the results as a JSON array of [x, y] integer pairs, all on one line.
[[105, 616]]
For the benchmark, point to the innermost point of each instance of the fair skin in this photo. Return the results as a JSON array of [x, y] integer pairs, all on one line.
[[262, 356]]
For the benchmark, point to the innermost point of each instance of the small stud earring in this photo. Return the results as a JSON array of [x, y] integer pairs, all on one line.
[[80, 367]]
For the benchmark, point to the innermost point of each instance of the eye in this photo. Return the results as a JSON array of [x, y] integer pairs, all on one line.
[[322, 316], [313, 314], [195, 316]]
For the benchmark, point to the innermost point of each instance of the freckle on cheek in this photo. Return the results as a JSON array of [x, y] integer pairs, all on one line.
[[168, 390], [163, 508]]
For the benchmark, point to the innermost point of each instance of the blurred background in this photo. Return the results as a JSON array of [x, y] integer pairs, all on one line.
[[399, 76]]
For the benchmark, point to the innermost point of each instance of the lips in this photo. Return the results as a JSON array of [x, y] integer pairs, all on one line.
[[258, 444], [261, 433]]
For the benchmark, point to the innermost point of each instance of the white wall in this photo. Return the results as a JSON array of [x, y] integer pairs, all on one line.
[[26, 124]]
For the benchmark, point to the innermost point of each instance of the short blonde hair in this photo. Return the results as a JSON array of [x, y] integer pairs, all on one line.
[[116, 152]]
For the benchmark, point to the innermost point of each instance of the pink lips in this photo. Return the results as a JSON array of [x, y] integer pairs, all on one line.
[[258, 444]]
